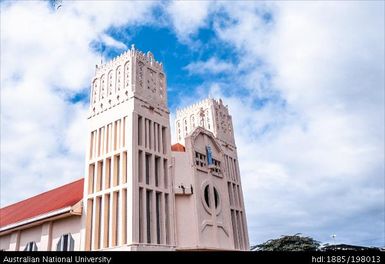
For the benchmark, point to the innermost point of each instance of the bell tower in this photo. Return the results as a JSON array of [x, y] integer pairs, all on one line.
[[209, 165], [128, 201]]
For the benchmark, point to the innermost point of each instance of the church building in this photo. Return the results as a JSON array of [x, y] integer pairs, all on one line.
[[140, 191]]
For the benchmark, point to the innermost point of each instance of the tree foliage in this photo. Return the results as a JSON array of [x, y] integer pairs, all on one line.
[[289, 243]]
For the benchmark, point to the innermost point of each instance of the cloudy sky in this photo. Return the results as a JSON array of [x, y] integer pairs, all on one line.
[[304, 82]]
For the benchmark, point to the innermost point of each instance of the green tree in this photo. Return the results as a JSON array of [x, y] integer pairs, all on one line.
[[295, 242]]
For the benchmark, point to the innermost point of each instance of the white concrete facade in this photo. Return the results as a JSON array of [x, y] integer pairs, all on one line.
[[219, 214], [128, 199]]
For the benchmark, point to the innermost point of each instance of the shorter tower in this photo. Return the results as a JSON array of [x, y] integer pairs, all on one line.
[[210, 114], [209, 204]]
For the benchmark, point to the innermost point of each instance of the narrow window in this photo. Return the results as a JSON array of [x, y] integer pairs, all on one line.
[[115, 207], [117, 217], [124, 131], [235, 232], [140, 166], [209, 155], [216, 198], [66, 243], [124, 167], [124, 217], [146, 124], [108, 173], [158, 216], [100, 141], [239, 225], [165, 174], [99, 176], [155, 144], [235, 195], [116, 128], [240, 230], [243, 227], [164, 140], [92, 144], [239, 195], [157, 169], [207, 195], [159, 137], [167, 213], [108, 135], [91, 173], [150, 133], [98, 204], [31, 246], [148, 214], [145, 132], [106, 220], [229, 188], [116, 170], [236, 170], [148, 166], [141, 216], [140, 121]]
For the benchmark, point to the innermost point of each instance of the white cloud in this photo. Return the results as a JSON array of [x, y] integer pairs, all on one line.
[[109, 41], [46, 59], [317, 159], [325, 167], [211, 66], [188, 16]]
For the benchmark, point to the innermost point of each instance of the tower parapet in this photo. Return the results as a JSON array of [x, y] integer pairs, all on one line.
[[132, 73], [209, 113]]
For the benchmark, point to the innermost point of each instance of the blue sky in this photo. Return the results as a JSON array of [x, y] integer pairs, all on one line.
[[175, 55], [304, 82]]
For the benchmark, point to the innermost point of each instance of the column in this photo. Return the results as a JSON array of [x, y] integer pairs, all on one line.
[[46, 237]]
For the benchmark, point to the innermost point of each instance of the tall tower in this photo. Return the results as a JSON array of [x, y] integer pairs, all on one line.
[[209, 165], [128, 199]]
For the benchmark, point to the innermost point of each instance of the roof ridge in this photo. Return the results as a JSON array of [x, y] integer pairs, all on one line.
[[40, 194]]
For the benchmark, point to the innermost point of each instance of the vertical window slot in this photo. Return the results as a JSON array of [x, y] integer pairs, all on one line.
[[148, 214], [108, 173], [116, 175], [140, 130], [166, 218], [106, 220], [124, 167], [91, 175], [165, 174], [99, 176], [164, 140], [124, 216], [148, 167], [142, 217], [157, 171], [158, 216]]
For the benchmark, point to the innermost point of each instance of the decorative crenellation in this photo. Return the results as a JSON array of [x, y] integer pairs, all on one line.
[[146, 57], [132, 73], [208, 113], [218, 104]]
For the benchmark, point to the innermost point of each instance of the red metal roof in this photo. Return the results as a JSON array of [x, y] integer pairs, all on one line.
[[178, 148], [58, 198]]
